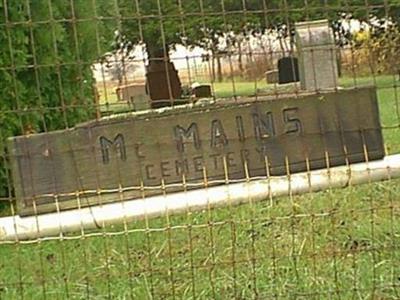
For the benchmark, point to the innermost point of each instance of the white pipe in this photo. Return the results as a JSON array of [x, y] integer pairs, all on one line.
[[16, 228]]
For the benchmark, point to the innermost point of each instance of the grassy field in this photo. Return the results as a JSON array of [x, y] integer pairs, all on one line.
[[337, 244]]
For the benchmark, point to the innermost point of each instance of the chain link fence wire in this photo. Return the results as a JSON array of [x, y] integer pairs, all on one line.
[[64, 63]]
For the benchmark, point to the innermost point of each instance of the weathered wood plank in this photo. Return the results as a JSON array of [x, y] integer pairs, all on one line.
[[159, 148]]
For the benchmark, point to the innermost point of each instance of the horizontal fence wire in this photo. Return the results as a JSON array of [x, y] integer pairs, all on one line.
[[241, 129]]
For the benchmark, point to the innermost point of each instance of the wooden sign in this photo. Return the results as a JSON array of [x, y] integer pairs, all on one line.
[[135, 155]]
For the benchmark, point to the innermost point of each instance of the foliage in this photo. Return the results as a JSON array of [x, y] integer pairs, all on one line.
[[165, 23], [376, 47], [384, 47], [45, 66], [120, 60], [150, 27], [162, 24]]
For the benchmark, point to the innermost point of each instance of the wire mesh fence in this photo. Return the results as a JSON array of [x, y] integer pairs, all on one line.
[[199, 149]]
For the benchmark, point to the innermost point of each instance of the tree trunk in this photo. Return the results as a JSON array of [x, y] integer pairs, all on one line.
[[240, 58], [283, 53], [213, 66], [219, 68]]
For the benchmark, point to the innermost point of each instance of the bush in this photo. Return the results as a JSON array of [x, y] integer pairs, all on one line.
[[376, 52], [46, 82]]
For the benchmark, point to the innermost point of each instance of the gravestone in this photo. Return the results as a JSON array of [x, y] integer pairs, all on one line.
[[272, 76], [202, 91], [317, 55], [135, 94], [288, 69], [163, 83], [113, 159]]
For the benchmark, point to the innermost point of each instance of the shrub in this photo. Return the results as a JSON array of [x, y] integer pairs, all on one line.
[[46, 82]]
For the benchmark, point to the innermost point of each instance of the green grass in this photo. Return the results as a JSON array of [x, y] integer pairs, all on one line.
[[337, 244], [319, 245]]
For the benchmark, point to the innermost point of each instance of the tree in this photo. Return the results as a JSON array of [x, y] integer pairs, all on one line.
[[162, 24], [121, 60], [47, 50]]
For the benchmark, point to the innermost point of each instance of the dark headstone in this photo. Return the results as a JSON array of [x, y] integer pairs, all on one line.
[[163, 83], [202, 91], [288, 68]]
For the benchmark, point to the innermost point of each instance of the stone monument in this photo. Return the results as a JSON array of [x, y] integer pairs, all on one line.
[[317, 56], [95, 161], [163, 83], [135, 94], [272, 76]]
